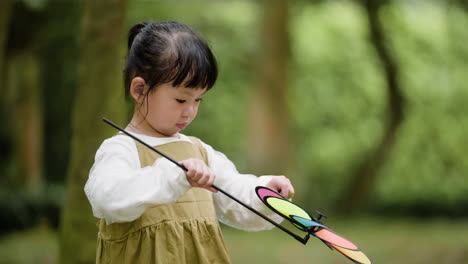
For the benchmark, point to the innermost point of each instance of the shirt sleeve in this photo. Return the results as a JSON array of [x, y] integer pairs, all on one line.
[[119, 190], [241, 186]]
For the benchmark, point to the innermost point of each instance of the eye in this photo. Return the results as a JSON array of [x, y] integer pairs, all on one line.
[[181, 101], [199, 100]]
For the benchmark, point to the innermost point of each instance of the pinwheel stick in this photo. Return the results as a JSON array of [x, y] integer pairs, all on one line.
[[300, 239]]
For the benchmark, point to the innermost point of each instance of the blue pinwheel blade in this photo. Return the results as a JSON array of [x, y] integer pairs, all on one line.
[[307, 222]]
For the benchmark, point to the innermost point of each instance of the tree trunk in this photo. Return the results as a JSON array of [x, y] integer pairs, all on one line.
[[24, 79], [363, 179], [100, 93], [269, 133], [61, 24], [5, 11], [24, 98]]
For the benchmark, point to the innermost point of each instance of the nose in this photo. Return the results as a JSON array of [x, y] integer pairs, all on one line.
[[189, 111]]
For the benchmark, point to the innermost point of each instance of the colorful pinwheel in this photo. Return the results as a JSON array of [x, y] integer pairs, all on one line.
[[307, 223]]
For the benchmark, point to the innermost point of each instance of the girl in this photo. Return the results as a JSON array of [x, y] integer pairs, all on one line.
[[152, 211]]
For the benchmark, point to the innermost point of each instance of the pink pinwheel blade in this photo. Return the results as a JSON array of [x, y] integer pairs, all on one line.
[[264, 192]]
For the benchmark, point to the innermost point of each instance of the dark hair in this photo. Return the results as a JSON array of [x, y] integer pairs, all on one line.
[[169, 52]]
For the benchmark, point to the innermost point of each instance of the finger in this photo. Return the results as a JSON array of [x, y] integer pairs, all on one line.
[[288, 193], [196, 176], [198, 172], [191, 174], [211, 179], [208, 185], [189, 166], [289, 190], [194, 184], [212, 189], [284, 186], [208, 179], [192, 168], [292, 192], [205, 176]]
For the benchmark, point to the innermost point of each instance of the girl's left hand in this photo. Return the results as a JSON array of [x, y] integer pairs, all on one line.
[[282, 185]]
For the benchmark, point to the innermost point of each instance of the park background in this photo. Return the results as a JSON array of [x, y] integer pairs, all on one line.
[[362, 104]]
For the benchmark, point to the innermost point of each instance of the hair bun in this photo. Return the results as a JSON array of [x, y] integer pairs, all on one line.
[[134, 31]]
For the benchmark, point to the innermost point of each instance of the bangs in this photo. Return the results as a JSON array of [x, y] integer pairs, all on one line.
[[188, 62]]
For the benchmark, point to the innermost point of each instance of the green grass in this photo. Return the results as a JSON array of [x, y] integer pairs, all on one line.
[[32, 246], [384, 240]]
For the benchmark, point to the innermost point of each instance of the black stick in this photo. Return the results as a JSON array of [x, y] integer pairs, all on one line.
[[300, 239]]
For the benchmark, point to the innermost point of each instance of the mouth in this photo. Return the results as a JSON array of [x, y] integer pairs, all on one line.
[[182, 125]]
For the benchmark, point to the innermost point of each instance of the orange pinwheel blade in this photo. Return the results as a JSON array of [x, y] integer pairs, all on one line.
[[357, 256], [342, 245]]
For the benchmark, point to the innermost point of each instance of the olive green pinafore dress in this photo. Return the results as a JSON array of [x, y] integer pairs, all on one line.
[[186, 231]]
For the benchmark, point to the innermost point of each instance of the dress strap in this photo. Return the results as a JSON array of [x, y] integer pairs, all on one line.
[[200, 147]]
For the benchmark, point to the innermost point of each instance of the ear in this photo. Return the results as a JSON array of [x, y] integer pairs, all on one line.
[[138, 89]]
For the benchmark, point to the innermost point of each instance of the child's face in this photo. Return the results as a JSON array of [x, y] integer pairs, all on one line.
[[171, 109]]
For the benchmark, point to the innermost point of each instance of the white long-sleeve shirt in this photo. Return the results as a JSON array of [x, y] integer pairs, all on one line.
[[119, 190]]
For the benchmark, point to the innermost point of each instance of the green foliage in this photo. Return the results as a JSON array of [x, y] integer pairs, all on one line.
[[428, 167], [337, 95], [34, 4]]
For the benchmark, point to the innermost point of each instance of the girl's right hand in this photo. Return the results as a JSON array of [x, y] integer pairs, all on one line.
[[199, 174]]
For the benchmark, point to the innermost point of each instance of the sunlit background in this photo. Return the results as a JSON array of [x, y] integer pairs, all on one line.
[[362, 104]]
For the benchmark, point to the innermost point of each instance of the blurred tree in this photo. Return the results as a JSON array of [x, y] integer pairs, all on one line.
[[58, 55], [98, 95], [35, 63], [462, 3], [5, 131], [49, 34], [364, 177], [23, 96], [23, 79], [269, 135], [5, 11]]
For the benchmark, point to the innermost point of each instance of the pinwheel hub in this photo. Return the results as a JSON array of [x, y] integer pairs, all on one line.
[[320, 215]]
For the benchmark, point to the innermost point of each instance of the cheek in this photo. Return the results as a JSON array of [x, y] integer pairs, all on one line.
[[156, 111], [157, 104], [196, 109]]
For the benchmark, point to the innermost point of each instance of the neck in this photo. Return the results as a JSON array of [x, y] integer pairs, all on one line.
[[139, 125]]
